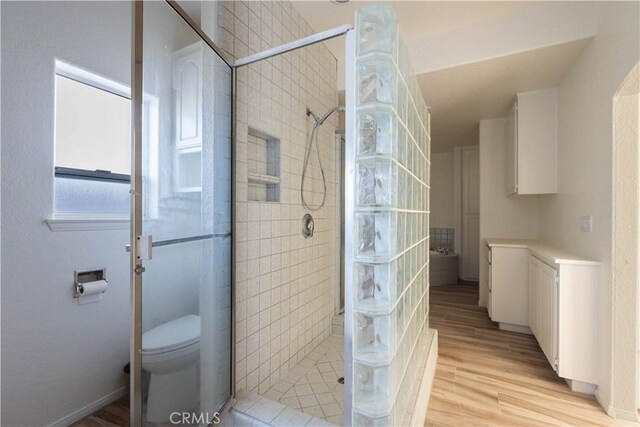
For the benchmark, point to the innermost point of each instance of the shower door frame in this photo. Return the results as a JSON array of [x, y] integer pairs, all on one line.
[[137, 265], [348, 184]]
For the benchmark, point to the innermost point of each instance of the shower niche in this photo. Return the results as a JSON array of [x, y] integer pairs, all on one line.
[[263, 168]]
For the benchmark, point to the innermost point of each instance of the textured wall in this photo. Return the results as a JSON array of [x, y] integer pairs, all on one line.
[[585, 100], [625, 249], [284, 289], [57, 356]]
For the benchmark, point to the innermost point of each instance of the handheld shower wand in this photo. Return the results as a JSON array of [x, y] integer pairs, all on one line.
[[314, 138]]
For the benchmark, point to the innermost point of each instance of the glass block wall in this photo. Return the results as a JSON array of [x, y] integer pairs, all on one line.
[[388, 252]]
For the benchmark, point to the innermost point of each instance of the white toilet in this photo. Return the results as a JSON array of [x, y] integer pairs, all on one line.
[[170, 352]]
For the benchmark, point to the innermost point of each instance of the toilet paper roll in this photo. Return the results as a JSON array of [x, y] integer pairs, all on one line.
[[93, 288]]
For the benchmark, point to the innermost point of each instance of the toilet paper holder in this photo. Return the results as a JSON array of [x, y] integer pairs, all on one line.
[[85, 276]]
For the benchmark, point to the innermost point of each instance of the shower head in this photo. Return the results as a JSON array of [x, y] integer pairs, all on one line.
[[320, 120], [314, 115]]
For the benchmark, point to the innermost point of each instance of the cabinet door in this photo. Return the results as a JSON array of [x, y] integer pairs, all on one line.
[[187, 82], [536, 152], [188, 111], [534, 296], [509, 288], [549, 311], [511, 175]]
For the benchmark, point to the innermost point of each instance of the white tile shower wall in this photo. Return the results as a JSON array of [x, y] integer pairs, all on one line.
[[284, 289]]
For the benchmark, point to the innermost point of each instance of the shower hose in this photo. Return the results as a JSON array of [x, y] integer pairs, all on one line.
[[313, 139]]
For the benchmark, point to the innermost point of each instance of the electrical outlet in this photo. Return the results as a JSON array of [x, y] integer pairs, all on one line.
[[586, 223]]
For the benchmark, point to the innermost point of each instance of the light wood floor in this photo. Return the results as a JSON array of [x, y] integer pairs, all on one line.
[[489, 377], [115, 414], [484, 377]]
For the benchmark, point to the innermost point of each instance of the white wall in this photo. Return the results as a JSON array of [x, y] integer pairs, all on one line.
[[585, 101], [482, 39], [57, 356], [501, 216], [625, 247], [441, 191]]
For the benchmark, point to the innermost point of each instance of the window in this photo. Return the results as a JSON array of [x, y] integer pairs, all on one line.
[[92, 144]]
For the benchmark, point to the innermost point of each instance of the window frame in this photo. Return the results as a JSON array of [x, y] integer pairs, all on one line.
[[95, 81]]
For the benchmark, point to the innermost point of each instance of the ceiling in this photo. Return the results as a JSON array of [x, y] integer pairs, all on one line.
[[462, 96], [483, 86], [418, 19], [415, 17]]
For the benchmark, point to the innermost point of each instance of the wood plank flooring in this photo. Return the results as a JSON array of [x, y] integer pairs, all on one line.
[[489, 377], [115, 414], [484, 377]]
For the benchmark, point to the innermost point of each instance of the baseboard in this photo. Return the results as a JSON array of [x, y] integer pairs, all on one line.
[[426, 384], [622, 414], [515, 328], [90, 408]]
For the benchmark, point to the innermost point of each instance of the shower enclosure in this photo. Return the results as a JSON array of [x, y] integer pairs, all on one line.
[[185, 96], [181, 220]]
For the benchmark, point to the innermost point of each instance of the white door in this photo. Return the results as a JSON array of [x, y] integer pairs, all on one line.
[[470, 251]]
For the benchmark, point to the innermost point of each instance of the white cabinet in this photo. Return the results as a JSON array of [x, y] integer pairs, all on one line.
[[555, 294], [563, 317], [188, 111], [534, 294], [543, 307], [507, 283], [532, 144]]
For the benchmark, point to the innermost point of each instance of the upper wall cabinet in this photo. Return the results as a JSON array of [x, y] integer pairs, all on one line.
[[532, 144], [187, 83]]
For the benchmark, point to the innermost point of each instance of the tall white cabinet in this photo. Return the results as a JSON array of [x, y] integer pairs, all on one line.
[[532, 144]]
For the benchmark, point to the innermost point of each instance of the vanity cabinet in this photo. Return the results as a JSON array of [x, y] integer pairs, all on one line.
[[507, 284], [532, 144], [563, 316], [543, 290]]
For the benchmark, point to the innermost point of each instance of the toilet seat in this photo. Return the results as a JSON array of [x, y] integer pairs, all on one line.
[[171, 336]]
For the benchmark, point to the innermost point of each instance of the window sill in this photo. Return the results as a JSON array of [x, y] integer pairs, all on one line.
[[88, 223]]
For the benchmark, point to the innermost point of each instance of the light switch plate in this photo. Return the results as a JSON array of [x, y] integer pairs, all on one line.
[[586, 223]]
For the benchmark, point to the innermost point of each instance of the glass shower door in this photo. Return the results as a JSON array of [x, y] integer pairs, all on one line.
[[181, 192]]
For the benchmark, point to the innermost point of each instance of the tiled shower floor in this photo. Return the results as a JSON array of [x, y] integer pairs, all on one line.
[[312, 386]]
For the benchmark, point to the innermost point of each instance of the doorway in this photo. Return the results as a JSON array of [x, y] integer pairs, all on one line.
[[625, 253]]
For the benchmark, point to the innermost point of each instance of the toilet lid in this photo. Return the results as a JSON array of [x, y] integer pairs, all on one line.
[[174, 334]]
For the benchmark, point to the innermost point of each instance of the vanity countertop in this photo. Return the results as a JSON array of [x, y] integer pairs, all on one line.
[[547, 253]]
